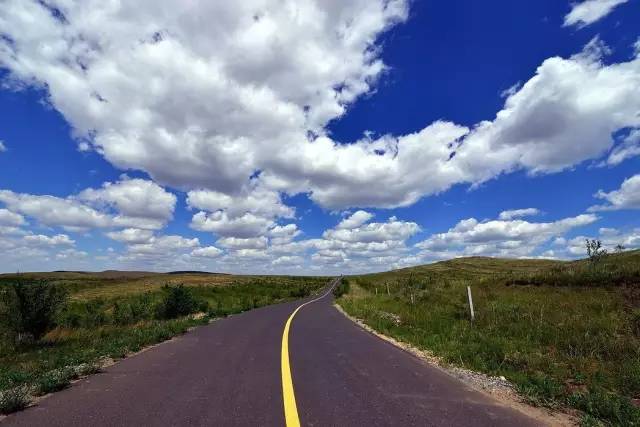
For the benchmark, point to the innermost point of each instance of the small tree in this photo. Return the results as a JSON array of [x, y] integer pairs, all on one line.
[[29, 308], [595, 251], [176, 301], [619, 248]]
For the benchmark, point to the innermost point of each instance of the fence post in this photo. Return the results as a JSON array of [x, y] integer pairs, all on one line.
[[473, 316]]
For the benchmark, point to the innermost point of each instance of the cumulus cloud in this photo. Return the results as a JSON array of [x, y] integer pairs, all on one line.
[[508, 238], [55, 211], [626, 197], [207, 252], [589, 11], [518, 213], [127, 203], [628, 148], [245, 226], [355, 220], [42, 240], [230, 102], [131, 235], [282, 234], [135, 198], [11, 219], [249, 243]]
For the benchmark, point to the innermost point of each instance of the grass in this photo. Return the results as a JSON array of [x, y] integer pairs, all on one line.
[[100, 322], [565, 333]]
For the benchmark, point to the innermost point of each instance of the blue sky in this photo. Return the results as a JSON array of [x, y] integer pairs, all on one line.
[[311, 137]]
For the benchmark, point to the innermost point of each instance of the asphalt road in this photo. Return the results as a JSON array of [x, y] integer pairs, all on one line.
[[230, 373]]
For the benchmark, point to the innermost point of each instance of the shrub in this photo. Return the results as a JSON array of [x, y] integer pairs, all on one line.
[[30, 307], [595, 251], [176, 301], [55, 380], [342, 288], [14, 400]]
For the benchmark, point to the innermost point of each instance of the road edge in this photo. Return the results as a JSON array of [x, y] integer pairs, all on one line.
[[500, 389]]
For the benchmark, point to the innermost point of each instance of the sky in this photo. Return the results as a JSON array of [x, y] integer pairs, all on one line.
[[315, 137]]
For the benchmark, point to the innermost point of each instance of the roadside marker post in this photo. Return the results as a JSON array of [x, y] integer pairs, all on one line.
[[473, 316]]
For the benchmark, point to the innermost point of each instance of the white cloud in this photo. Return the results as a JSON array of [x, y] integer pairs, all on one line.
[[628, 148], [355, 220], [207, 252], [131, 235], [393, 230], [245, 226], [134, 198], [250, 243], [289, 261], [42, 240], [207, 96], [589, 11], [71, 254], [626, 197], [11, 219], [518, 213], [128, 203], [507, 238], [164, 243], [282, 234], [3, 148], [55, 211]]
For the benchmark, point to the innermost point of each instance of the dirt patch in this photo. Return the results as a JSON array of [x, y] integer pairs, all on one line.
[[498, 388]]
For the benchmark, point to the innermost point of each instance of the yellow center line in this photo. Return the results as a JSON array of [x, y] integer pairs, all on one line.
[[288, 395]]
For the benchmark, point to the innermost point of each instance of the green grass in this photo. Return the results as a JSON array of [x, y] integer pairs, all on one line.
[[94, 325], [566, 334]]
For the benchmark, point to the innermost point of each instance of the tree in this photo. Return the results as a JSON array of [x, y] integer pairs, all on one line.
[[595, 251], [176, 301], [29, 308], [619, 248]]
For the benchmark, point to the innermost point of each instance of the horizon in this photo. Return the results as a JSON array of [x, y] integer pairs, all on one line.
[[315, 138]]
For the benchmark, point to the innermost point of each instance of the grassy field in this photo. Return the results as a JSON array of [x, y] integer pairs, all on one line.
[[565, 333], [109, 315]]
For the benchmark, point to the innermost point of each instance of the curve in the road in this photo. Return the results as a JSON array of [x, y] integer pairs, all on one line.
[[288, 394]]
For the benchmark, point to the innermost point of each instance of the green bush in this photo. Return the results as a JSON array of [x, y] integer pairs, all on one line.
[[29, 308], [84, 314], [177, 301], [341, 288], [133, 309]]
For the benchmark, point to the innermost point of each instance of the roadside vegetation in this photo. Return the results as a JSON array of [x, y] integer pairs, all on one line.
[[566, 334], [57, 327]]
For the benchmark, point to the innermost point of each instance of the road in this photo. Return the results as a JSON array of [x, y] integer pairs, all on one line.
[[232, 372]]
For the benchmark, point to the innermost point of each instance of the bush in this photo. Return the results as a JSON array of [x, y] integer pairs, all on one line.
[[14, 400], [30, 307], [341, 288], [133, 309], [177, 301]]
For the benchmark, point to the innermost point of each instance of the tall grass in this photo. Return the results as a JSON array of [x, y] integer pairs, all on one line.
[[565, 334]]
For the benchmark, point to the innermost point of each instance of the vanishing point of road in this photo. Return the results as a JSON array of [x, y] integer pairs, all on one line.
[[298, 363]]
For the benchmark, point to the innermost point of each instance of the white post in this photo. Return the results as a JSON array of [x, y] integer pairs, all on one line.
[[473, 316]]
